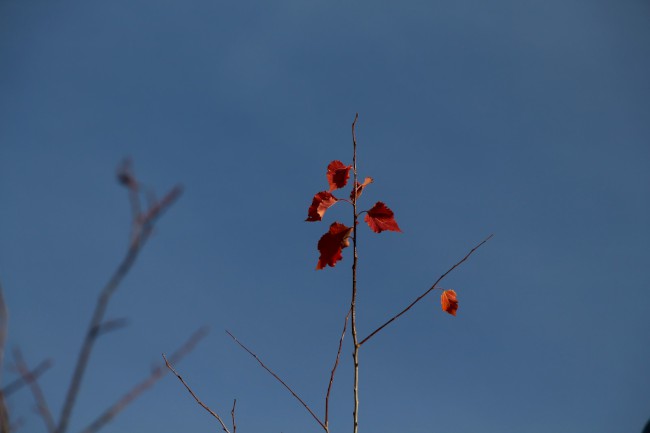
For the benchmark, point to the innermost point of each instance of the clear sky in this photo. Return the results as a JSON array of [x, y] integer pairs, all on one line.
[[527, 119]]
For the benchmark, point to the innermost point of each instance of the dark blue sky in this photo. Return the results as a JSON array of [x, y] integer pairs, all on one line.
[[527, 119]]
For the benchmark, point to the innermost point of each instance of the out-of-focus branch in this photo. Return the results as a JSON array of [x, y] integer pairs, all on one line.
[[156, 374], [112, 325], [305, 405], [18, 383], [336, 364], [419, 298], [5, 426], [41, 404], [203, 405], [142, 228]]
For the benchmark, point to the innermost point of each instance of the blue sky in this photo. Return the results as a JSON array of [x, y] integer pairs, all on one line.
[[526, 119]]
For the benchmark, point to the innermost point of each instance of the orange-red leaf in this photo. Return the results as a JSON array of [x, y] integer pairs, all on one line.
[[449, 301], [338, 174], [321, 202], [331, 244], [380, 218], [360, 187]]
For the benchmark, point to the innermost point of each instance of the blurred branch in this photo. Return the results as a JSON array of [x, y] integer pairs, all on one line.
[[142, 228], [305, 405], [112, 325], [336, 364], [41, 404], [156, 374], [203, 405], [18, 383], [4, 320], [419, 298]]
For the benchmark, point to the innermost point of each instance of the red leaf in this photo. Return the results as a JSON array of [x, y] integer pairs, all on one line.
[[449, 301], [380, 218], [331, 244], [360, 187], [338, 174], [321, 202]]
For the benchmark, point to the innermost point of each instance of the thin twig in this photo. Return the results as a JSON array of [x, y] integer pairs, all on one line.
[[156, 374], [142, 230], [305, 405], [232, 415], [41, 404], [336, 364], [5, 426], [18, 383], [203, 405], [427, 292], [353, 307]]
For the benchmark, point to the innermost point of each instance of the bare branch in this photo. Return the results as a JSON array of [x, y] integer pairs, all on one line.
[[5, 426], [41, 404], [142, 229], [336, 364], [305, 405], [112, 325], [18, 383], [232, 415], [203, 405], [156, 374], [353, 307], [427, 292]]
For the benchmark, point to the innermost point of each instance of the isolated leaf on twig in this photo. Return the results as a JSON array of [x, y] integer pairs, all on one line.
[[360, 187], [381, 218], [331, 244], [338, 174], [321, 202], [449, 301]]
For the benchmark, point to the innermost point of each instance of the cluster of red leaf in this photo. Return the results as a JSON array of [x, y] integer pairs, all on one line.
[[379, 218]]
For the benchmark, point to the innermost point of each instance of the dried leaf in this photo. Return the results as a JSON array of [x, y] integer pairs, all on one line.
[[321, 202], [449, 301], [338, 174], [380, 218], [331, 244], [360, 187]]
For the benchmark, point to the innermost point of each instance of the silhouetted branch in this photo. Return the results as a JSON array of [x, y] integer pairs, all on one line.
[[41, 404], [156, 374], [142, 228], [427, 292], [232, 415], [18, 383], [336, 363], [279, 380], [203, 405]]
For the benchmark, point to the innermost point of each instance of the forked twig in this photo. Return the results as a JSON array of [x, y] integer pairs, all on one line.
[[232, 415], [427, 292], [156, 374], [41, 404], [18, 383], [142, 228], [203, 405], [336, 364], [305, 405]]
